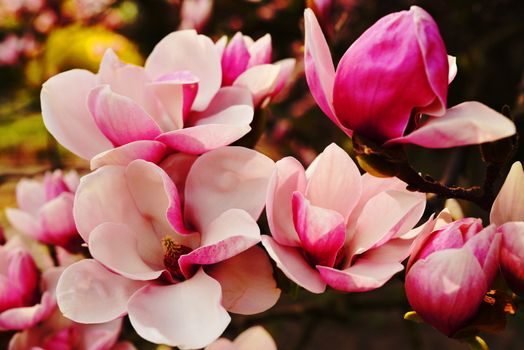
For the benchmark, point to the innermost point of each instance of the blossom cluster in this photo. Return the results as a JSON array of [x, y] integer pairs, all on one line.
[[167, 230]]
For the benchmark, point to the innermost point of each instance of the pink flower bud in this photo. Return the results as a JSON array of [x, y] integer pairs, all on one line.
[[450, 272]]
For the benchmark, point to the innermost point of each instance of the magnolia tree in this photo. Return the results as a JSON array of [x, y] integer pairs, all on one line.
[[179, 226]]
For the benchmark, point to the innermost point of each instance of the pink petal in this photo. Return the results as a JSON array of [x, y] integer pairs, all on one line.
[[394, 250], [23, 222], [260, 80], [221, 344], [240, 178], [446, 288], [186, 50], [292, 263], [509, 204], [239, 115], [248, 286], [93, 204], [151, 151], [400, 211], [477, 122], [225, 97], [120, 118], [322, 232], [30, 195], [57, 225], [512, 255], [402, 46], [319, 68], [203, 138], [260, 51], [20, 318], [128, 80], [285, 73], [485, 245], [235, 58], [156, 198], [188, 314], [372, 186], [99, 336], [334, 181], [255, 338], [177, 167], [231, 233], [137, 257], [66, 116], [288, 177], [364, 276], [89, 293], [176, 92], [452, 63]]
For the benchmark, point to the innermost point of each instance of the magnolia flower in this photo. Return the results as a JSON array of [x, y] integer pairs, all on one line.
[[449, 272], [25, 298], [247, 63], [396, 72], [126, 112], [325, 228], [174, 267], [45, 210], [508, 211], [254, 338]]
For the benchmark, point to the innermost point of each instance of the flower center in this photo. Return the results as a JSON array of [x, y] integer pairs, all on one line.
[[172, 252]]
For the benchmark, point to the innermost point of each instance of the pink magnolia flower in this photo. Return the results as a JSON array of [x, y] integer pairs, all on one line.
[[174, 267], [508, 211], [388, 78], [254, 338], [45, 210], [324, 223], [126, 112], [24, 298], [247, 63], [449, 272]]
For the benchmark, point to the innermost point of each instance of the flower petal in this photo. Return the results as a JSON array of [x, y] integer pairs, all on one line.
[[446, 288], [188, 315], [93, 207], [363, 276], [203, 138], [289, 176], [260, 80], [248, 286], [30, 195], [240, 178], [293, 264], [121, 119], [235, 58], [334, 181], [187, 50], [260, 51], [20, 318], [255, 338], [23, 222], [231, 233], [400, 211], [56, 222], [512, 255], [509, 204], [89, 293], [156, 198], [151, 151], [322, 231], [66, 116], [477, 122], [137, 257], [319, 68]]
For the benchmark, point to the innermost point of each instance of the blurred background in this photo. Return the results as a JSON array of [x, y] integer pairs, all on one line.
[[40, 38]]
